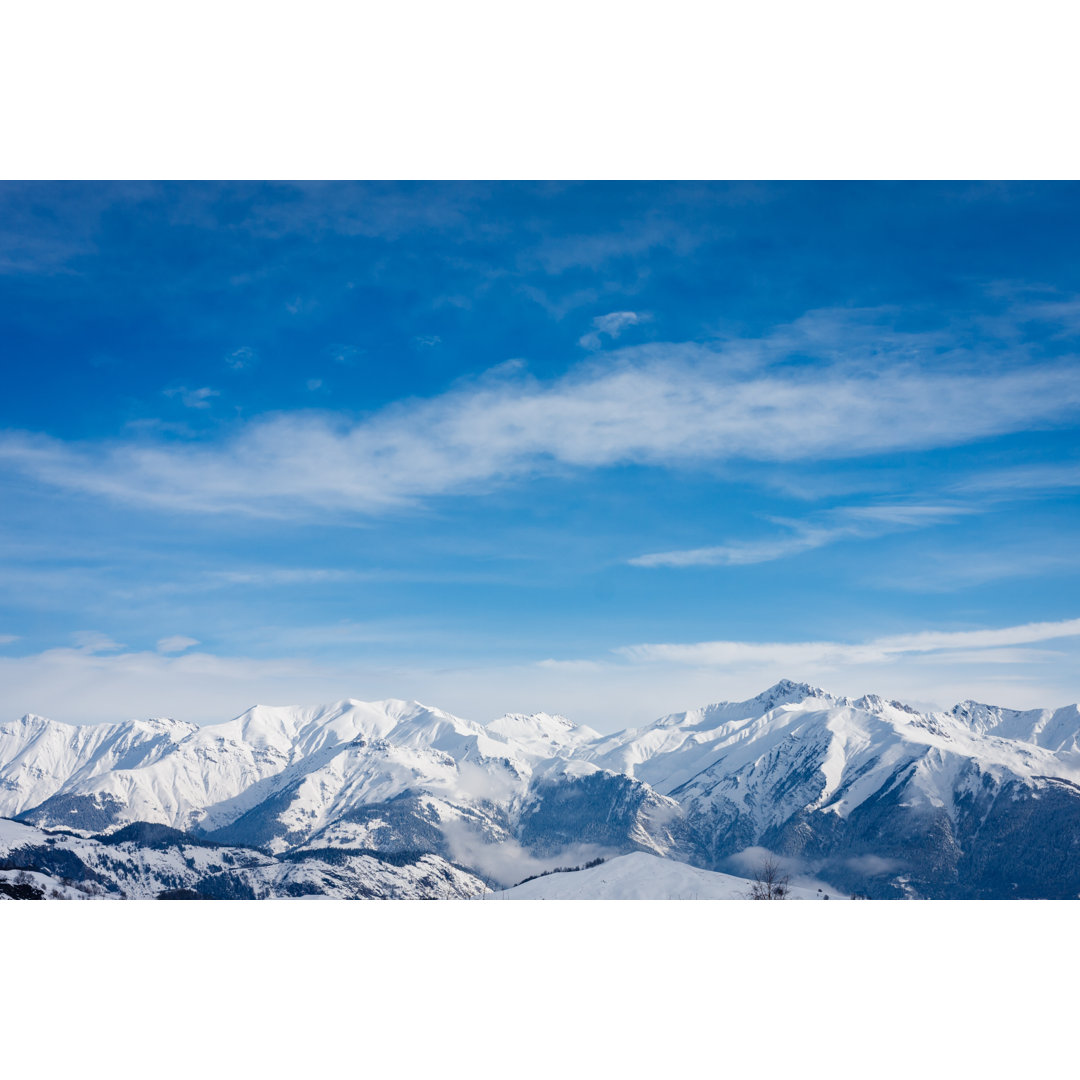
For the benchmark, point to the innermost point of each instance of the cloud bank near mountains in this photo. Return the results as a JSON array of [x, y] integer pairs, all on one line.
[[99, 679], [874, 391], [878, 650], [508, 862]]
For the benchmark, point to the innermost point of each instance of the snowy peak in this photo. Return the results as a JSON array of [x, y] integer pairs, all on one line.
[[541, 735], [675, 748], [786, 692], [1057, 730], [298, 731], [872, 703]]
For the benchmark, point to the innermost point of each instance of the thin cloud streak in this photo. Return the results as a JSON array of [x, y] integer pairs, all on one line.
[[862, 522], [1024, 479], [952, 570], [177, 643], [829, 653]]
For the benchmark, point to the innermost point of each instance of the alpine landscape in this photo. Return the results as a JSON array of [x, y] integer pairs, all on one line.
[[394, 799]]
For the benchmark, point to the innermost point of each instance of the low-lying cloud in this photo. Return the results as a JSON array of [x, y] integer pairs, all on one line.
[[100, 679], [507, 862]]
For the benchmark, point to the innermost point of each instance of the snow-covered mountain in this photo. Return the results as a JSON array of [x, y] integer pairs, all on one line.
[[154, 862], [873, 796], [879, 797]]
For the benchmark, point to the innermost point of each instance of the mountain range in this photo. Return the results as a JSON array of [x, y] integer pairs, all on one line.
[[395, 798]]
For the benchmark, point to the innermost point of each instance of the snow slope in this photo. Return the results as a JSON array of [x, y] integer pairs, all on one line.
[[640, 876], [39, 757]]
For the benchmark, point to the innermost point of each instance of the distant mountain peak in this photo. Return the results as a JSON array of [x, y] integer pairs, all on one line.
[[787, 691], [541, 734]]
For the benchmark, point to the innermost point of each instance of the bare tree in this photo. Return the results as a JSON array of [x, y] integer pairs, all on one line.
[[769, 882]]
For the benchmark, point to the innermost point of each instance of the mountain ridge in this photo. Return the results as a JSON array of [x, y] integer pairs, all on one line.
[[840, 783]]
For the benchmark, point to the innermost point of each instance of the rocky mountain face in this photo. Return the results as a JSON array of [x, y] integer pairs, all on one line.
[[873, 796]]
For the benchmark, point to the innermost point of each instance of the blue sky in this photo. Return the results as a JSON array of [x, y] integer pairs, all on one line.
[[605, 449]]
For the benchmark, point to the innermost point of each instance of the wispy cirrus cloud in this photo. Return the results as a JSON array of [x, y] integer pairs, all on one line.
[[193, 399], [557, 254], [177, 643], [948, 570], [1021, 480], [241, 358], [667, 405], [844, 523], [285, 576]]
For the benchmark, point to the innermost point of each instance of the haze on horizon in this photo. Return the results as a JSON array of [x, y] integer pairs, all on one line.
[[608, 450]]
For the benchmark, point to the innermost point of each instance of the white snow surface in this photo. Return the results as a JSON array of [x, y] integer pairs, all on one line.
[[639, 876], [39, 757], [542, 735]]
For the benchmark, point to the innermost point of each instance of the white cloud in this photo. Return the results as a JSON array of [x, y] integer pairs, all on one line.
[[666, 405], [852, 522], [194, 399], [1021, 480], [176, 644], [285, 576], [83, 685], [241, 358], [87, 684], [612, 325], [744, 553], [507, 862], [951, 569], [346, 355], [832, 653], [871, 865], [570, 665], [1064, 314], [91, 642], [559, 253], [7, 639]]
